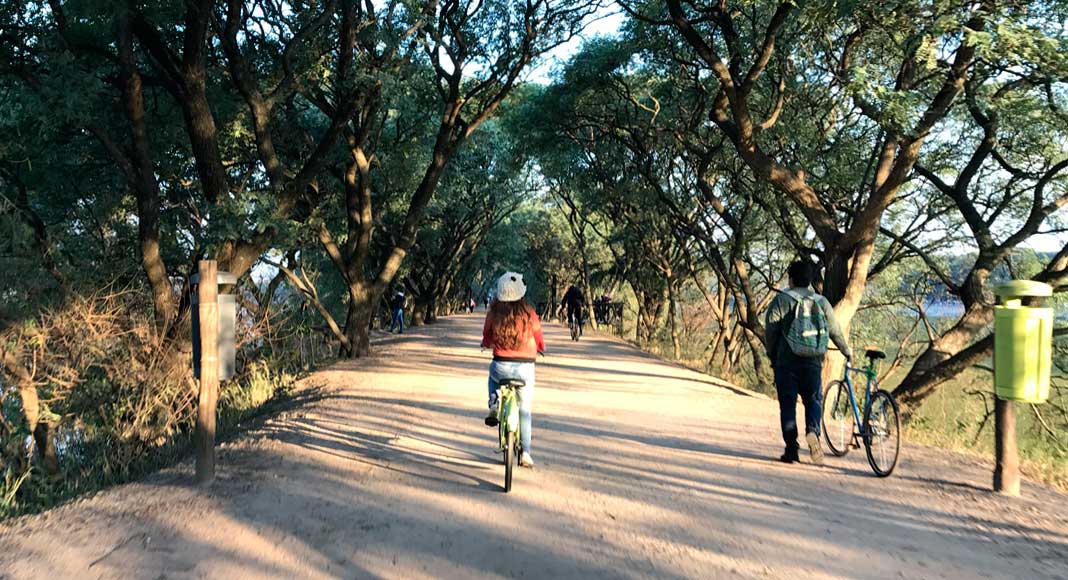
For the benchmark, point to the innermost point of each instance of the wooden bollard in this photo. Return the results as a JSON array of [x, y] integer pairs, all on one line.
[[1006, 456], [208, 310]]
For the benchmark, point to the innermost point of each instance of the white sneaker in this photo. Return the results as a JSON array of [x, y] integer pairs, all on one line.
[[525, 460], [491, 417]]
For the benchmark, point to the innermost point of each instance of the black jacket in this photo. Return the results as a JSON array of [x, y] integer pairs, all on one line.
[[573, 297]]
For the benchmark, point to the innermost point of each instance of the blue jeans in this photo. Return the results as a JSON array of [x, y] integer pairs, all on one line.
[[499, 371], [792, 380], [398, 317]]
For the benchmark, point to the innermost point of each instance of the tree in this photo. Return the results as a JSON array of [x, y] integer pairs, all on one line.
[[484, 185], [476, 59], [1005, 183], [877, 59]]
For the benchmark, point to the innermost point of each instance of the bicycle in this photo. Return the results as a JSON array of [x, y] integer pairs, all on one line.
[[509, 426], [574, 324], [881, 428]]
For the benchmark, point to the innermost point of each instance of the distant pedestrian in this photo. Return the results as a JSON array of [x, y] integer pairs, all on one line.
[[798, 323], [396, 305]]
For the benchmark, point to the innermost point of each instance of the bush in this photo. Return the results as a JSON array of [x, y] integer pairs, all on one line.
[[92, 396]]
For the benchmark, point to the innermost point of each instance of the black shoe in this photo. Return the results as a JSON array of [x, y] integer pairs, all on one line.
[[789, 457]]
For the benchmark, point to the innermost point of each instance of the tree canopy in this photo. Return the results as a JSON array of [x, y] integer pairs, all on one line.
[[330, 152]]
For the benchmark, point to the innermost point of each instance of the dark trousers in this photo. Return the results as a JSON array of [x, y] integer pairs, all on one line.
[[574, 313], [792, 380]]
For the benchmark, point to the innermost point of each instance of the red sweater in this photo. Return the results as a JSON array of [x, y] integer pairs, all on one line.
[[528, 349]]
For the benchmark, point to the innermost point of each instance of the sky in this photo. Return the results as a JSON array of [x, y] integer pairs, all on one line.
[[606, 22]]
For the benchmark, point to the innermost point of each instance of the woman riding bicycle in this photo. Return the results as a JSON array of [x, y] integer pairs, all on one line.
[[513, 331]]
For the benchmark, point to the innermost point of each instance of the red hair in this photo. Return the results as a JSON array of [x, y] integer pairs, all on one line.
[[512, 323]]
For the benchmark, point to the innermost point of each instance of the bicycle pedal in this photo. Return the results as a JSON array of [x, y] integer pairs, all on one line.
[[492, 422]]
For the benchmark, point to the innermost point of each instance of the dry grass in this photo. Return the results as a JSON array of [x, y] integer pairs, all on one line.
[[110, 398]]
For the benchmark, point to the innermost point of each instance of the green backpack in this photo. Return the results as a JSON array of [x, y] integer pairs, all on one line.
[[807, 334]]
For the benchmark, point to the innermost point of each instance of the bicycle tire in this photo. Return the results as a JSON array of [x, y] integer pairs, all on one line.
[[838, 423], [509, 460], [884, 461]]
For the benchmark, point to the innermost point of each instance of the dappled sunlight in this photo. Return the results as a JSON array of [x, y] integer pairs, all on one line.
[[337, 203], [393, 474]]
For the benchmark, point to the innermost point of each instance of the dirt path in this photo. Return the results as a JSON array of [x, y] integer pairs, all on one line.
[[644, 469]]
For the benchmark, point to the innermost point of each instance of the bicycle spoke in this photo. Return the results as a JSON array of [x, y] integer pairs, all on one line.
[[882, 436], [838, 423]]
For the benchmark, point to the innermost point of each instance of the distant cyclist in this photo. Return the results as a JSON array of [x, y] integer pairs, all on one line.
[[573, 301], [513, 331]]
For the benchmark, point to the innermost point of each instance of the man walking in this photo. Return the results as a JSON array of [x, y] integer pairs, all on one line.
[[798, 323]]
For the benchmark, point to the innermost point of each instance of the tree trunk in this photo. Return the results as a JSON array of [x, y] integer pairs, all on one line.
[[676, 347], [763, 372], [714, 346], [45, 441], [843, 285], [552, 299], [143, 179], [362, 303], [650, 316], [429, 313], [639, 318]]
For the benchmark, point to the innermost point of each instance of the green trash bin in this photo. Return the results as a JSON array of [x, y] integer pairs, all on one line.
[[1023, 341]]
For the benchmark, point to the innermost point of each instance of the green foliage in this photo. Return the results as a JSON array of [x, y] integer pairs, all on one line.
[[626, 175]]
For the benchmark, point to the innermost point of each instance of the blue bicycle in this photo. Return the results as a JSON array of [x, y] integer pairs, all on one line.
[[881, 426]]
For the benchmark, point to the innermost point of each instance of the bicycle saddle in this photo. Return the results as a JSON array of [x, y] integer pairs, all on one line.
[[874, 354], [514, 383]]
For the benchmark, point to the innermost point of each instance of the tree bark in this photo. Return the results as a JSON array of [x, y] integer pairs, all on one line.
[[143, 180], [362, 304], [676, 347], [45, 441]]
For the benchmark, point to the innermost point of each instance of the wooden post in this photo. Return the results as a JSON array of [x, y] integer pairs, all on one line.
[[208, 294], [1007, 461]]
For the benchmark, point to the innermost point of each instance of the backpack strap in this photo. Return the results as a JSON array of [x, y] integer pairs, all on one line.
[[797, 297]]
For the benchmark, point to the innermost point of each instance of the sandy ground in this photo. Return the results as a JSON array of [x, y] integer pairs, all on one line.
[[644, 469]]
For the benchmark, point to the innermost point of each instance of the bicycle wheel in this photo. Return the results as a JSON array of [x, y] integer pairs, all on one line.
[[882, 433], [838, 422], [574, 331], [509, 460]]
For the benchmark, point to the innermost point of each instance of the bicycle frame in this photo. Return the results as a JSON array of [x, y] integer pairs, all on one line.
[[580, 317], [869, 374], [508, 413]]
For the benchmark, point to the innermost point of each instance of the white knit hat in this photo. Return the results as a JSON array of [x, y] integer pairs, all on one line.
[[510, 287]]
